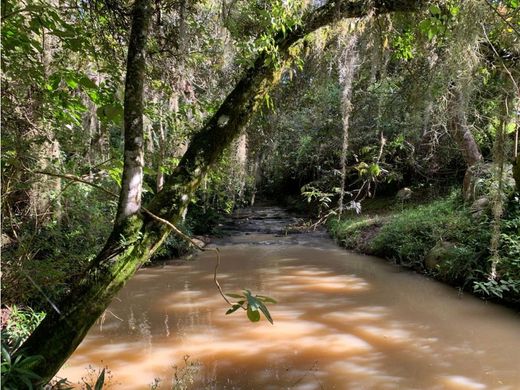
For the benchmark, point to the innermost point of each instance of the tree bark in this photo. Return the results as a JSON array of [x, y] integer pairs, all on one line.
[[60, 333], [132, 180], [135, 236]]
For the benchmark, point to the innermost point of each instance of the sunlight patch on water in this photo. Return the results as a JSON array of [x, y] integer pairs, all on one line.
[[323, 283], [343, 344], [362, 375], [362, 314], [384, 335], [457, 382]]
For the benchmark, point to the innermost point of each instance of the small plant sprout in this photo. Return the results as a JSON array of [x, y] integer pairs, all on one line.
[[253, 305]]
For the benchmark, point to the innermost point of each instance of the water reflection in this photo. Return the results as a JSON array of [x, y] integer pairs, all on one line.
[[343, 322]]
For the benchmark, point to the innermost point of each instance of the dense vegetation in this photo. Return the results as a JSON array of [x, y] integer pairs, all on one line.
[[109, 106]]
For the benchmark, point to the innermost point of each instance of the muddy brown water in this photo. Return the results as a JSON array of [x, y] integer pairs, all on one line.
[[343, 321]]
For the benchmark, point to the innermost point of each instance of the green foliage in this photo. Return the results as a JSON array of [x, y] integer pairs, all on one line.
[[99, 382], [355, 233], [403, 46], [408, 236], [17, 374], [174, 246], [21, 323], [278, 17], [508, 283], [253, 305], [321, 199], [55, 254], [497, 288]]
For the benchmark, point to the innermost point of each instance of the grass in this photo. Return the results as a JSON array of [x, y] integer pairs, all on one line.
[[444, 230]]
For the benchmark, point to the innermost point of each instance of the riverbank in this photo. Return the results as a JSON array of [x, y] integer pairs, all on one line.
[[443, 238], [341, 320]]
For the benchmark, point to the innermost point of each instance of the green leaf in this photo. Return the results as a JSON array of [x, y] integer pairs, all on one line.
[[375, 170], [435, 10], [264, 310], [266, 299], [5, 355], [238, 296], [100, 381], [26, 381], [110, 112], [252, 301], [253, 314], [233, 309], [86, 82], [454, 11], [71, 82]]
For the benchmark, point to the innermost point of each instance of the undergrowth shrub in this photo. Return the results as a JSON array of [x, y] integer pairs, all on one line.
[[408, 236], [48, 258], [507, 284], [355, 233]]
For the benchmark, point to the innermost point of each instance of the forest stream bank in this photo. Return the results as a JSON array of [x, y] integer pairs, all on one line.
[[443, 238], [342, 320]]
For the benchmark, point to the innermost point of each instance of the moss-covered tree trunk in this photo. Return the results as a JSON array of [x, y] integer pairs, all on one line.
[[61, 332], [135, 235]]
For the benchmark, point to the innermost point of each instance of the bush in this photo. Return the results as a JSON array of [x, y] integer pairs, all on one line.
[[407, 237], [446, 231], [355, 233]]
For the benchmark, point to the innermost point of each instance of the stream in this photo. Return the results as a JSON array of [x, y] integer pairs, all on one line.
[[342, 321]]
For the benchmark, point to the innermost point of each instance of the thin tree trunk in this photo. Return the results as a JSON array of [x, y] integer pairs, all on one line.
[[160, 159], [135, 237], [459, 130], [61, 331], [132, 180], [347, 70]]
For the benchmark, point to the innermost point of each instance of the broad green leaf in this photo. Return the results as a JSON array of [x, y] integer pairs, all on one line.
[[71, 82], [253, 315], [5, 355], [435, 10], [232, 295], [264, 310], [233, 309], [266, 299], [100, 381], [26, 381], [86, 82]]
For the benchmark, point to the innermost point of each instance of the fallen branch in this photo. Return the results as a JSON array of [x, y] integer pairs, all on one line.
[[76, 179]]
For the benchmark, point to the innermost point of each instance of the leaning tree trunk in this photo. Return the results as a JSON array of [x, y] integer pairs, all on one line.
[[136, 235], [459, 130], [61, 331]]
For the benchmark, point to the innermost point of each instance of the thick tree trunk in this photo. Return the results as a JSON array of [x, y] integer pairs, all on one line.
[[61, 332], [135, 237]]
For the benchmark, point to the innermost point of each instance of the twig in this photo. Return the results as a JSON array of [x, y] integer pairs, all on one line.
[[157, 218], [76, 179], [511, 26], [192, 242]]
